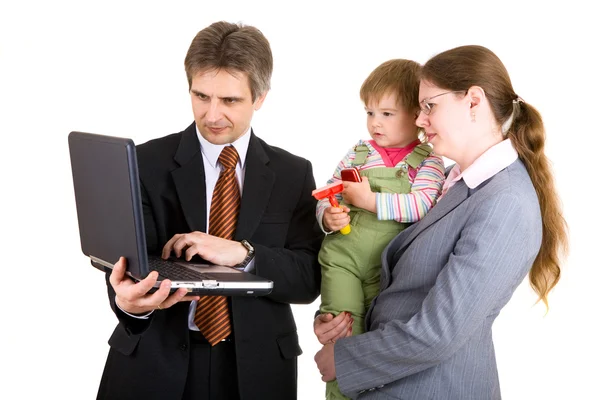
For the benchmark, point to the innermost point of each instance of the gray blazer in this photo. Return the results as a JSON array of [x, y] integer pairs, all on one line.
[[443, 282]]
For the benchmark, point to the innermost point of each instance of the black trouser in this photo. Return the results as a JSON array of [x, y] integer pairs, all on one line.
[[212, 372]]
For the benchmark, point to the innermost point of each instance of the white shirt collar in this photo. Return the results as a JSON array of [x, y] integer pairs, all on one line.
[[494, 160], [212, 151]]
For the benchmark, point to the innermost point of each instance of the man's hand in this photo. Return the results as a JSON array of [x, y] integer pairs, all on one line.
[[359, 194], [134, 298], [329, 329], [211, 248], [326, 363], [335, 218]]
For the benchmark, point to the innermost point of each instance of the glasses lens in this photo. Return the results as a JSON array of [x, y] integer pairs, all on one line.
[[425, 109]]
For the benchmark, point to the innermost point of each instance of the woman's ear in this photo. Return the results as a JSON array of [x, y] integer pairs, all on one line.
[[476, 95]]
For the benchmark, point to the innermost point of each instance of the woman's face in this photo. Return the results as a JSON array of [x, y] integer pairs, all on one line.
[[447, 124]]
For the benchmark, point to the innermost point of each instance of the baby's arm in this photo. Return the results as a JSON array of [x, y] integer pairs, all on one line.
[[324, 204], [413, 206]]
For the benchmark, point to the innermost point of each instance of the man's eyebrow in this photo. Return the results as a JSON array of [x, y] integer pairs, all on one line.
[[228, 98]]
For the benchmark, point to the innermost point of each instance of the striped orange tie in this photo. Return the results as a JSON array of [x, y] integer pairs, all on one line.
[[212, 314]]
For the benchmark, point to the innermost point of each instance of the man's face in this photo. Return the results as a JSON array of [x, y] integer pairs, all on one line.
[[222, 104]]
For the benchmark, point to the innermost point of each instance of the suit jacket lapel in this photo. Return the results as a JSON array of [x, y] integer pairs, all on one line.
[[189, 180], [453, 198], [258, 183], [455, 195]]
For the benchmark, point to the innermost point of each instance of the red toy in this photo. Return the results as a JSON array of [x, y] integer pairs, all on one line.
[[329, 192]]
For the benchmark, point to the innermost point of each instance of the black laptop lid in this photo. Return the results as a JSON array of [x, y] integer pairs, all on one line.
[[108, 201]]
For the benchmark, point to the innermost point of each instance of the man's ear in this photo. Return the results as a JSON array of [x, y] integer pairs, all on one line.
[[259, 101], [476, 95]]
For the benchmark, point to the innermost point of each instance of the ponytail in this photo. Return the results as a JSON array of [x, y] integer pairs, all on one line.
[[528, 137]]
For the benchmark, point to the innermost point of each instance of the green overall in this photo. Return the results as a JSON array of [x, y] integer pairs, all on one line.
[[351, 264]]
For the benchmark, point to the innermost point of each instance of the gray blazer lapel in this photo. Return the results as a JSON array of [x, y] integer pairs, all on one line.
[[189, 180], [453, 198], [258, 183]]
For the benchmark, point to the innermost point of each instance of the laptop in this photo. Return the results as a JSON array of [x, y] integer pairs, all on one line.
[[111, 223]]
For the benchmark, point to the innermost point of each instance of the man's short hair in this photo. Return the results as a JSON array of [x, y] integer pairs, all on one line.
[[234, 48]]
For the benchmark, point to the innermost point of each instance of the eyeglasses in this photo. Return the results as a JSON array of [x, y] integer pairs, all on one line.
[[426, 107]]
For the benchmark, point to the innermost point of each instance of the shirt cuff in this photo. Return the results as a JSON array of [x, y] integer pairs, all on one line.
[[143, 316]]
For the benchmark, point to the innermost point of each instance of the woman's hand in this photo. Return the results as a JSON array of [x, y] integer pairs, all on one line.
[[329, 329], [326, 363]]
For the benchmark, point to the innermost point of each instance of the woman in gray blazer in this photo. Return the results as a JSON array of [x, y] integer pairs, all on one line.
[[445, 279]]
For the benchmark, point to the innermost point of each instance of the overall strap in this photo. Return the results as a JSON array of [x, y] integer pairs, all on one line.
[[419, 153], [362, 151]]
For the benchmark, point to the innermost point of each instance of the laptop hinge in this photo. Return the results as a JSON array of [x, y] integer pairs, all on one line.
[[102, 262]]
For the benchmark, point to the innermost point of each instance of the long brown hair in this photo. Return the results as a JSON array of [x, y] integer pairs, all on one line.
[[466, 66]]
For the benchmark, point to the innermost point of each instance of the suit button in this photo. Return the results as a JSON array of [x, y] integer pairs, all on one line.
[[183, 347]]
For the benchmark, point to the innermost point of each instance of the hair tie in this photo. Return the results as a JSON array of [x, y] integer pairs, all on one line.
[[516, 106]]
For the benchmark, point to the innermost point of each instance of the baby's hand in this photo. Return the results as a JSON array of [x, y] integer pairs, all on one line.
[[359, 194], [335, 218]]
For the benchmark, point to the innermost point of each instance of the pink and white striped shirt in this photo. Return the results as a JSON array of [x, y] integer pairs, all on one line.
[[411, 207]]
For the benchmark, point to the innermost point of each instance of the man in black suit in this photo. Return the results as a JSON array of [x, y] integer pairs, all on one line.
[[156, 350]]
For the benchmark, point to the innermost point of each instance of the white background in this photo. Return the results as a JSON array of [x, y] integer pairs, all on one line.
[[116, 67]]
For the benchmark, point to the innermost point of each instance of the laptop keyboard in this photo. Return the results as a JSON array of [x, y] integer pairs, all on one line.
[[170, 270]]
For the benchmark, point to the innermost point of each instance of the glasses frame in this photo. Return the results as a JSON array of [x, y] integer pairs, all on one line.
[[426, 107]]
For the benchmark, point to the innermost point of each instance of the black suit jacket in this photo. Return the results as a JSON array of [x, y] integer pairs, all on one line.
[[148, 359]]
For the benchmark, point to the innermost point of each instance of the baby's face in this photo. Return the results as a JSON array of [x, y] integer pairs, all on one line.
[[390, 124]]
